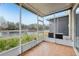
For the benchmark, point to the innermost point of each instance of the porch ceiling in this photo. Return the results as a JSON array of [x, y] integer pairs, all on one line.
[[44, 9]]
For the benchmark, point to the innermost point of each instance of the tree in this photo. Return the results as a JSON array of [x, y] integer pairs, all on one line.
[[6, 25], [3, 23], [32, 27], [11, 26]]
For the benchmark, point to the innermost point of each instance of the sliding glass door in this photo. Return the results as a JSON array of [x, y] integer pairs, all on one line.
[[77, 30]]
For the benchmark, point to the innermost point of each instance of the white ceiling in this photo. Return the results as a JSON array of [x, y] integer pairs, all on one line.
[[44, 9]]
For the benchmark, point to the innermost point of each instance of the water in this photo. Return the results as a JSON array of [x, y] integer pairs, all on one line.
[[13, 34], [16, 33]]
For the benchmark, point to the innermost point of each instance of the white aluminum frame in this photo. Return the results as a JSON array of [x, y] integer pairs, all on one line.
[[20, 20], [42, 21]]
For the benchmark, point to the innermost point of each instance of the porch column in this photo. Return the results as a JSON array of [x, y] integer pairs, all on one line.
[[74, 22], [70, 24], [54, 25], [73, 25]]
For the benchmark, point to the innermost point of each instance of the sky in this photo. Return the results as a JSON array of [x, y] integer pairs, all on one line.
[[10, 12]]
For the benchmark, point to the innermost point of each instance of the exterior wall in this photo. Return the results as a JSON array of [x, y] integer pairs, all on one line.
[[51, 26], [62, 26]]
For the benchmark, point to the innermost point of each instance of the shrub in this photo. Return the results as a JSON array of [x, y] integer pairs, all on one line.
[[2, 45], [26, 38], [8, 43]]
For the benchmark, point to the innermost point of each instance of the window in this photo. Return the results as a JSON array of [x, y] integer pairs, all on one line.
[[9, 28], [28, 26]]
